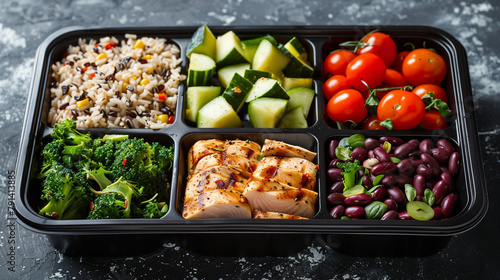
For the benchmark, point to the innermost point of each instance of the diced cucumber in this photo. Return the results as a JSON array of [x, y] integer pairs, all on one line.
[[229, 50], [265, 87], [269, 58], [266, 112], [293, 119], [202, 42], [226, 74], [296, 68], [201, 70], [295, 47], [250, 46], [197, 97], [290, 83], [218, 113], [253, 75], [302, 97], [237, 91]]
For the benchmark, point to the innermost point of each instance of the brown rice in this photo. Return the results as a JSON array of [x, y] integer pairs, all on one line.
[[131, 85]]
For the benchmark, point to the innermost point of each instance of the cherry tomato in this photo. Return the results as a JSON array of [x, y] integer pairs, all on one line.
[[392, 79], [398, 62], [347, 105], [336, 62], [372, 123], [367, 67], [381, 45], [333, 85], [438, 91], [404, 108], [433, 120], [423, 66]]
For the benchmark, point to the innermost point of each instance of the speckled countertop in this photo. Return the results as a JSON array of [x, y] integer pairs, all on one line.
[[24, 24]]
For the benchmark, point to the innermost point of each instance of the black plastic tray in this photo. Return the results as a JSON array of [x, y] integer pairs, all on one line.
[[257, 236]]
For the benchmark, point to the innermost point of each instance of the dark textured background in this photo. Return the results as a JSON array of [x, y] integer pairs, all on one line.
[[24, 24]]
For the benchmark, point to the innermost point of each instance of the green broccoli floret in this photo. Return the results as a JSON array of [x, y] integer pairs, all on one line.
[[350, 172], [108, 206], [104, 152], [99, 175], [51, 155], [164, 157], [154, 210], [67, 132], [66, 198], [124, 189]]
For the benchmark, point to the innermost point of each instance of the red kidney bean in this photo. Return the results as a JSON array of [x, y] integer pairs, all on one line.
[[440, 154], [359, 153], [416, 161], [388, 181], [391, 204], [338, 211], [448, 204], [381, 155], [405, 167], [384, 168], [371, 154], [404, 216], [414, 154], [419, 184], [443, 143], [390, 215], [404, 150], [331, 148], [419, 198], [426, 145], [432, 163], [333, 163], [415, 141], [429, 183], [361, 173], [371, 143], [439, 190], [402, 180], [367, 182], [337, 187], [361, 199], [425, 171], [354, 211], [379, 194], [449, 180], [395, 141], [444, 169], [438, 213], [335, 174], [335, 199], [396, 194], [454, 163]]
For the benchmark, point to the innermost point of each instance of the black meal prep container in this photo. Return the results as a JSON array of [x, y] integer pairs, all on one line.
[[257, 237]]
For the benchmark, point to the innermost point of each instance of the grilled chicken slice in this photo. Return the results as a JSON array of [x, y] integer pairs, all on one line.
[[258, 214], [246, 149], [273, 196], [278, 148], [217, 204], [203, 148], [242, 164], [214, 178], [292, 171]]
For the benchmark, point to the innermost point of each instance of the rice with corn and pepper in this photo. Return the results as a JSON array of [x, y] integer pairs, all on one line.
[[131, 83]]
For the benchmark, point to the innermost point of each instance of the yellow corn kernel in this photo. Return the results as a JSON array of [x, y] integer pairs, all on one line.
[[83, 103], [124, 86], [148, 56], [134, 78], [163, 118], [139, 45], [150, 70], [144, 82], [101, 56]]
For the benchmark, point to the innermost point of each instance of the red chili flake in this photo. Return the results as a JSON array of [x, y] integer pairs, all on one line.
[[109, 45], [64, 64], [96, 45], [92, 75], [91, 205], [162, 96], [124, 162], [171, 119], [126, 203], [237, 90], [54, 214], [317, 166]]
